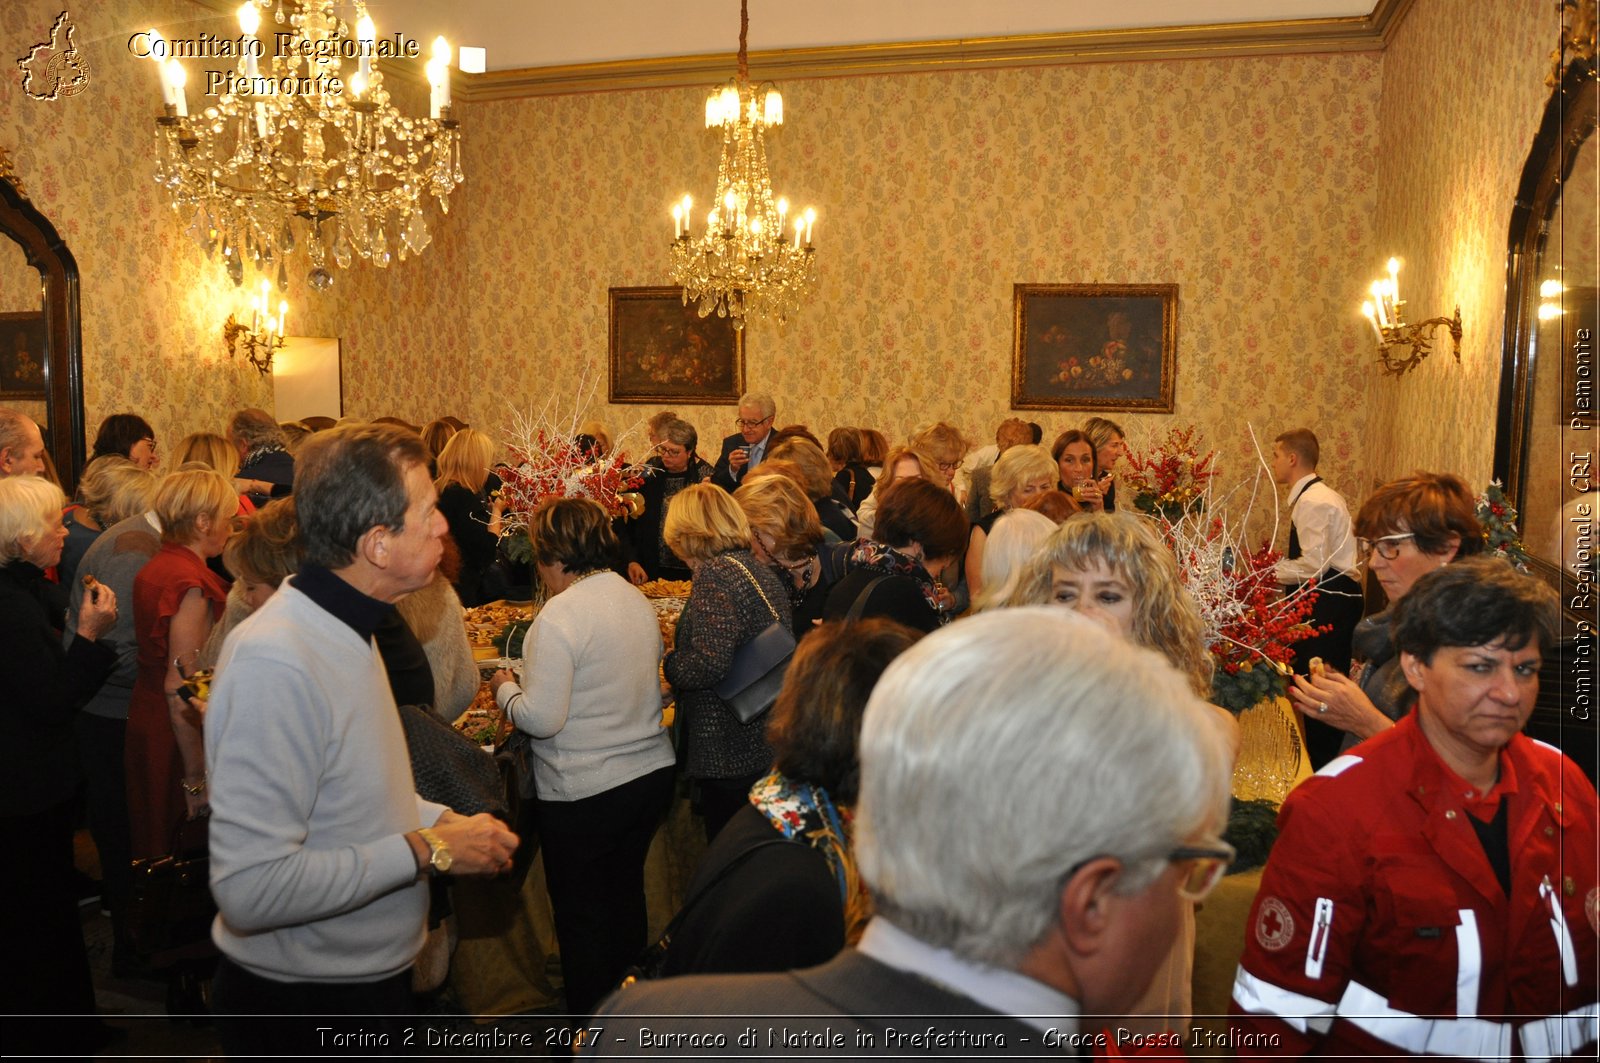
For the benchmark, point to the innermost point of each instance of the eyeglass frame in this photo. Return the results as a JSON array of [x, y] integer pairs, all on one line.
[[742, 423], [1364, 547], [1221, 855], [948, 466]]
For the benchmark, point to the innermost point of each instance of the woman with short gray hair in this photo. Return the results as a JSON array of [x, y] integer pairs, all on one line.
[[44, 687], [266, 468]]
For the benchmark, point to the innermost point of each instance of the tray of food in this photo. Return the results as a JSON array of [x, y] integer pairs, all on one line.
[[496, 629], [483, 722], [665, 588]]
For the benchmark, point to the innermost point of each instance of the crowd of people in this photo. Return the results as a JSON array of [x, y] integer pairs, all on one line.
[[990, 793]]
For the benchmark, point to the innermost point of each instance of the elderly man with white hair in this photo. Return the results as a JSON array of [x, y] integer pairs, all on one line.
[[1039, 801], [21, 445]]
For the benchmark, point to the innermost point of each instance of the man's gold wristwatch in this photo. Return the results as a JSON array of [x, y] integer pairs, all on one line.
[[439, 857]]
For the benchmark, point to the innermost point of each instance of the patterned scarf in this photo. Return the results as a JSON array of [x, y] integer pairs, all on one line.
[[891, 562], [805, 813], [261, 450]]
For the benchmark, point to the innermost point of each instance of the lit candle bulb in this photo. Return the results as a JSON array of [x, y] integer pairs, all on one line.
[[1392, 302], [755, 226], [366, 34], [177, 79], [358, 85], [810, 217], [249, 23], [436, 78], [688, 219], [783, 212], [158, 48], [799, 229], [677, 220], [1372, 319], [1394, 279], [1377, 297], [283, 312], [441, 55]]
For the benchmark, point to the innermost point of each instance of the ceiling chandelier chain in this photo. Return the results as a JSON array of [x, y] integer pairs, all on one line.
[[305, 149], [742, 265]]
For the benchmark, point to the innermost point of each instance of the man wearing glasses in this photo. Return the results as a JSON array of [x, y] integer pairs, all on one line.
[[746, 448], [1039, 802]]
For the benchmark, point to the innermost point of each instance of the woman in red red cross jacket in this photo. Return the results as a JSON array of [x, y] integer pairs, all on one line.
[[1433, 892]]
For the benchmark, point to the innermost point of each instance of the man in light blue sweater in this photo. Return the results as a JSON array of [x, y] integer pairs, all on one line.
[[319, 842]]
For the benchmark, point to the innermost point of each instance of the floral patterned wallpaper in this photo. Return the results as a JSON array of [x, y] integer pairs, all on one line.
[[153, 305], [1267, 188], [1463, 90], [1250, 183]]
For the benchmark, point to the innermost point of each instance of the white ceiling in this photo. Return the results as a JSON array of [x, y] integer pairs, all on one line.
[[520, 34]]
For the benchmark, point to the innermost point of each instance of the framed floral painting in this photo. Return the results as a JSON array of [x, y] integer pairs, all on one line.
[[22, 355], [1094, 346], [663, 351]]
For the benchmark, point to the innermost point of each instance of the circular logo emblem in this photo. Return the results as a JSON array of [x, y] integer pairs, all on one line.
[[1591, 908], [1274, 925]]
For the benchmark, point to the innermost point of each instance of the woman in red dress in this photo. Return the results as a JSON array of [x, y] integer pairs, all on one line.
[[176, 599]]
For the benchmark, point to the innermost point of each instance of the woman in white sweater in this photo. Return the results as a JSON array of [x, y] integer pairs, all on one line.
[[602, 764]]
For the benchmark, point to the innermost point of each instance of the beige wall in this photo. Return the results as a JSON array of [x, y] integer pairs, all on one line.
[[1249, 183], [152, 304], [1268, 188], [1463, 89]]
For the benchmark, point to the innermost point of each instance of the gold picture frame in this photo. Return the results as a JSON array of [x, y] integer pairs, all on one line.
[[663, 351], [1094, 347]]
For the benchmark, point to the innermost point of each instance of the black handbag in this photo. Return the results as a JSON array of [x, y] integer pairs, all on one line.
[[653, 960], [169, 911], [756, 675], [452, 770]]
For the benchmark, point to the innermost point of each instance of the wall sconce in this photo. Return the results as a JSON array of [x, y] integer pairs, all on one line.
[[263, 337], [1386, 313]]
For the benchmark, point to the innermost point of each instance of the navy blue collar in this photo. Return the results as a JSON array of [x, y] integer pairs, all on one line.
[[332, 593]]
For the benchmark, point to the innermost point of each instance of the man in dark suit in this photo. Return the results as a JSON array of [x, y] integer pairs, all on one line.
[[746, 448], [1040, 804]]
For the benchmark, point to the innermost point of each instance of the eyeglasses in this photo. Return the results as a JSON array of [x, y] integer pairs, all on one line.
[[1388, 546], [742, 423], [949, 466], [1207, 865]]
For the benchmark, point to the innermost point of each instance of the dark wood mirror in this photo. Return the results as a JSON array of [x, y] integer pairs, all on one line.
[[1552, 251], [1545, 458], [44, 266]]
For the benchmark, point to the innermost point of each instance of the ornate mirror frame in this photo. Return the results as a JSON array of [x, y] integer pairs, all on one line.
[[1569, 119], [58, 272]]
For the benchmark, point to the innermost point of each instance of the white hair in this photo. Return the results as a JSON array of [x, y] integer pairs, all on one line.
[[761, 401], [1002, 752], [30, 508], [1016, 467], [1011, 544]]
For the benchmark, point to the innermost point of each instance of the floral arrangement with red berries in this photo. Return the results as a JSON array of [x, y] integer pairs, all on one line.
[[1250, 625], [1169, 478], [547, 459], [1253, 643], [1499, 519]]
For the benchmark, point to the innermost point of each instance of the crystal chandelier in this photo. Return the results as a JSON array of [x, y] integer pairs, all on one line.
[[742, 264], [300, 151]]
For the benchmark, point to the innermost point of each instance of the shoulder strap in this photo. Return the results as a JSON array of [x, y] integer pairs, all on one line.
[[860, 603], [718, 878], [757, 585]]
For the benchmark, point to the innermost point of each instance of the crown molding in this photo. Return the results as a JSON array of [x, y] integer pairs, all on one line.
[[1365, 33]]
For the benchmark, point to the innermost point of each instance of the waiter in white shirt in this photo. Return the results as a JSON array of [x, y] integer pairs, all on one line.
[[1322, 546]]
